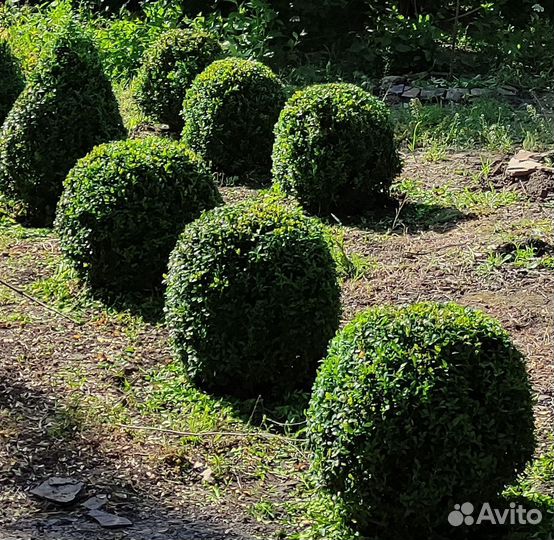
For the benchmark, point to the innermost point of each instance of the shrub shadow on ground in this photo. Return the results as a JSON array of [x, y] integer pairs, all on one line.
[[284, 415], [409, 218], [149, 306], [43, 438]]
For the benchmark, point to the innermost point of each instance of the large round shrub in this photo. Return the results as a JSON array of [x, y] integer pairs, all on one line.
[[229, 114], [169, 68], [66, 109], [123, 208], [252, 298], [415, 410], [11, 79], [334, 149]]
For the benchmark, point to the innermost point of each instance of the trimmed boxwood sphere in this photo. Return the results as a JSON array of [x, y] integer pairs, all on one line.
[[334, 149], [252, 298], [168, 70], [66, 109], [123, 208], [229, 113], [12, 79], [415, 410]]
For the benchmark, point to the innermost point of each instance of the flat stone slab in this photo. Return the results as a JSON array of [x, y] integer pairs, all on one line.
[[397, 89], [456, 94], [525, 163], [432, 93], [95, 503], [59, 490], [109, 521], [411, 93]]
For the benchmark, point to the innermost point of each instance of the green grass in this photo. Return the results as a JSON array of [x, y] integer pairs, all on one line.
[[487, 123], [452, 195]]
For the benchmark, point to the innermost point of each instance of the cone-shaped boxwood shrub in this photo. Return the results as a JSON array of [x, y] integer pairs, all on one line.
[[334, 149], [252, 298], [66, 109], [123, 208], [11, 79], [168, 70], [417, 409], [229, 113]]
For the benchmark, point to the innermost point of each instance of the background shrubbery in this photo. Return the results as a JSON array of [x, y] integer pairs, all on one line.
[[318, 41]]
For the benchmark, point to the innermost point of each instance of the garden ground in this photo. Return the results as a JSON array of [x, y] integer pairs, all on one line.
[[91, 392]]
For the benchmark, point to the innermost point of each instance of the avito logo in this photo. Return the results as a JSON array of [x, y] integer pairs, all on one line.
[[464, 514]]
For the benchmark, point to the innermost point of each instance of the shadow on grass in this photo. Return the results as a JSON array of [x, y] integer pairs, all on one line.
[[149, 305], [409, 218], [44, 436], [285, 415]]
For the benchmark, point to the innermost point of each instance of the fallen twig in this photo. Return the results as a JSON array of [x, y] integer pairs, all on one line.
[[37, 301], [260, 435]]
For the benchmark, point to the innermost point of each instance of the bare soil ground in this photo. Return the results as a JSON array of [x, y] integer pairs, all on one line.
[[444, 243]]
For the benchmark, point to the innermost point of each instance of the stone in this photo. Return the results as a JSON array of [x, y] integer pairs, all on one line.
[[59, 490], [95, 503], [109, 521], [525, 163], [456, 94], [411, 92], [391, 80], [431, 94], [507, 90], [480, 92], [397, 89]]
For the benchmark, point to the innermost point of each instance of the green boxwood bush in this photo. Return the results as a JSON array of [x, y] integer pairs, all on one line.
[[123, 208], [66, 109], [229, 114], [334, 149], [417, 409], [11, 78], [169, 68], [252, 298]]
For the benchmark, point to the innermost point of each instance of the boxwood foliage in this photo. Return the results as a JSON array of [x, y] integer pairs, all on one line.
[[229, 113], [334, 149], [66, 109], [11, 78], [252, 298], [123, 208], [416, 409], [168, 70]]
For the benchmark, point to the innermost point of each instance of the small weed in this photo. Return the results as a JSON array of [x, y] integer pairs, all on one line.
[[437, 151], [350, 266], [263, 511]]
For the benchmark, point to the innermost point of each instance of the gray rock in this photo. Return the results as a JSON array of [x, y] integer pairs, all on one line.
[[456, 94], [109, 521], [430, 94], [507, 90], [411, 92], [480, 92], [391, 80], [59, 490], [397, 89], [95, 503]]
